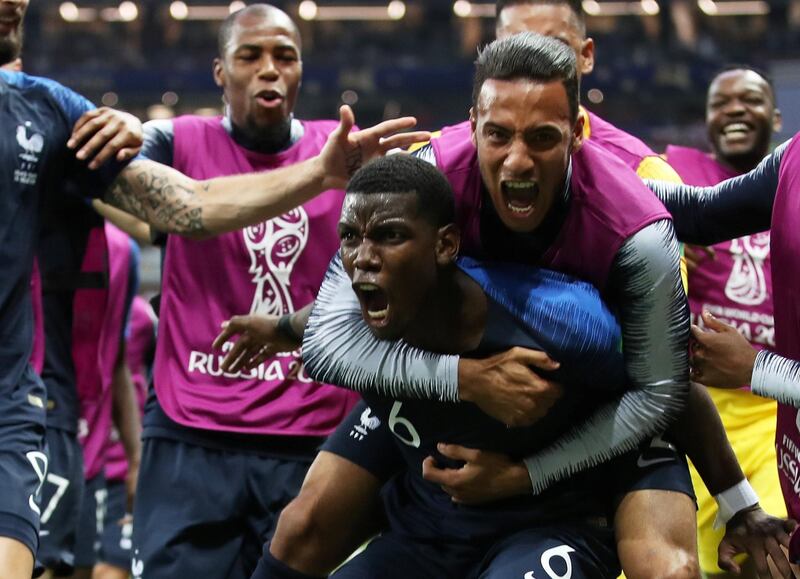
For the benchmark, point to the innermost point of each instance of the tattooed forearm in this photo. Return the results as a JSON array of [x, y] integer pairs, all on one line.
[[160, 196]]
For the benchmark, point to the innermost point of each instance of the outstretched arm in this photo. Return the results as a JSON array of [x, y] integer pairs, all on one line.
[[175, 203], [338, 348], [733, 208], [655, 327]]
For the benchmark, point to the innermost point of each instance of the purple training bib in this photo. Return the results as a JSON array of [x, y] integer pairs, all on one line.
[[735, 286], [272, 268]]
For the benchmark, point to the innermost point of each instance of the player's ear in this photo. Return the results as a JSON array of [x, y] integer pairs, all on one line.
[[777, 121], [577, 131], [219, 73], [587, 56], [447, 244], [473, 124]]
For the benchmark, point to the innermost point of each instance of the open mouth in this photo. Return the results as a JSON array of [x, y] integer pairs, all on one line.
[[520, 196], [269, 98], [736, 130], [374, 302]]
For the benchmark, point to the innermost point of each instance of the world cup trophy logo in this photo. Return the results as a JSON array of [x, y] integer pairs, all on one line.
[[747, 284], [274, 247]]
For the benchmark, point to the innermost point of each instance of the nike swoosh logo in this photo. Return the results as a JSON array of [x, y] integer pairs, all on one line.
[[529, 575], [644, 463]]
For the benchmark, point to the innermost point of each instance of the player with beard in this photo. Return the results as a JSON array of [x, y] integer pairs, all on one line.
[[38, 160], [502, 149], [259, 428], [398, 250], [765, 198], [733, 282]]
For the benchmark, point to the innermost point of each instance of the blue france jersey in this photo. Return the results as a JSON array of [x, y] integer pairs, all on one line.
[[537, 309], [38, 115]]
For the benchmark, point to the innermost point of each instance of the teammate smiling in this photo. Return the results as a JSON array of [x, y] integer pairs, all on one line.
[[741, 116]]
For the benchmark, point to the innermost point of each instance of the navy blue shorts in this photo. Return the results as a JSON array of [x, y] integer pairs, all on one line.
[[91, 522], [62, 494], [23, 461], [578, 551], [117, 539], [202, 512]]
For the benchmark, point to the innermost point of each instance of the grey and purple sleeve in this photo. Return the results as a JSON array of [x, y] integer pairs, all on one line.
[[339, 348], [646, 286], [733, 208]]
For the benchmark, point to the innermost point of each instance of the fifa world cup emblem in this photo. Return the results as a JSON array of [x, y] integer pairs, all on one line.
[[747, 284], [274, 247]]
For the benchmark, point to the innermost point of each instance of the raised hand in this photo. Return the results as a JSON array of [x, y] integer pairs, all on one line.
[[346, 151], [505, 387], [720, 355], [486, 476], [106, 133]]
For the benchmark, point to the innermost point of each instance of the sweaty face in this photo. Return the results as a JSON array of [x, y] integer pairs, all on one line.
[[740, 115], [390, 255], [524, 135], [261, 71], [11, 14], [553, 20]]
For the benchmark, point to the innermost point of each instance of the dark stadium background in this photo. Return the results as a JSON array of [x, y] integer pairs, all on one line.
[[654, 57]]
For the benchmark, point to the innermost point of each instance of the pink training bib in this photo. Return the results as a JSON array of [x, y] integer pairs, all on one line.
[[98, 320], [272, 268]]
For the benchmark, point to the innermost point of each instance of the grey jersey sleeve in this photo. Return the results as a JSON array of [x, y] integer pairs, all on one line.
[[776, 377], [731, 209], [654, 315], [338, 348]]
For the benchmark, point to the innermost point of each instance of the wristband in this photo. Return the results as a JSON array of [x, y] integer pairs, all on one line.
[[731, 501], [285, 327]]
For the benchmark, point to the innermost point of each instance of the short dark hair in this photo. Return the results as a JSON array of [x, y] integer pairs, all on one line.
[[575, 6], [759, 71], [406, 174], [529, 56], [265, 10]]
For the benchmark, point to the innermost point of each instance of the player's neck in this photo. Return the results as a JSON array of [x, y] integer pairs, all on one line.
[[453, 318], [267, 140]]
